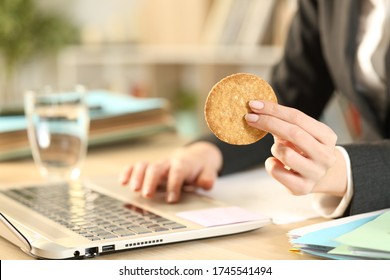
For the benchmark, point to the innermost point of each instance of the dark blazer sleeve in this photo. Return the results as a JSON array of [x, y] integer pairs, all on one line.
[[239, 158], [301, 79], [370, 164]]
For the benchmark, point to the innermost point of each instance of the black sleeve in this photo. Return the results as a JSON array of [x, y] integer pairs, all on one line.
[[301, 79], [370, 164], [242, 157]]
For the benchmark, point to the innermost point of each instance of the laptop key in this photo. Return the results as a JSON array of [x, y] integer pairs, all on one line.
[[139, 230], [156, 229], [174, 226], [110, 236], [123, 232]]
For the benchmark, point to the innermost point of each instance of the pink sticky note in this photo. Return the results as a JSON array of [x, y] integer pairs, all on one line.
[[220, 216]]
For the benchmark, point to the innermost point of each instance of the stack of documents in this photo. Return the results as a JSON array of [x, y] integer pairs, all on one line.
[[364, 236], [117, 117], [114, 117]]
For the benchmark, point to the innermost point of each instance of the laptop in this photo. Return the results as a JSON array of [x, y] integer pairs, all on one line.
[[98, 216]]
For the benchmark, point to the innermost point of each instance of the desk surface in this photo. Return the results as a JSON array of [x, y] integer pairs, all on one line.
[[270, 242]]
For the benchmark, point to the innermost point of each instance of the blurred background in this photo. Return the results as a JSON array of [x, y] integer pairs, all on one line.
[[175, 49]]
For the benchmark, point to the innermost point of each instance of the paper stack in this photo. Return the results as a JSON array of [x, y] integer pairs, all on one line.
[[114, 117], [364, 236]]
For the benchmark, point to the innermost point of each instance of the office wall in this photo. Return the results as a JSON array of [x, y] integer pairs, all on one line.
[[103, 21]]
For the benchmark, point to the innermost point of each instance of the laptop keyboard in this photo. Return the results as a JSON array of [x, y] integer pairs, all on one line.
[[91, 214]]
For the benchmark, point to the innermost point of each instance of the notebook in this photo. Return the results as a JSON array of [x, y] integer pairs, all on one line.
[[97, 216]]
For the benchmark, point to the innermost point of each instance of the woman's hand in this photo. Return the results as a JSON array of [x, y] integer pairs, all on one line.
[[305, 158], [197, 164]]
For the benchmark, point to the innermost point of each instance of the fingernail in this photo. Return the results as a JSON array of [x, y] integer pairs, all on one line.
[[171, 197], [251, 117], [256, 104], [146, 194], [121, 180], [134, 186]]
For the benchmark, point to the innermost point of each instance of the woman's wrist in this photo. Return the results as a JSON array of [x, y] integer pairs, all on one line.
[[332, 206]]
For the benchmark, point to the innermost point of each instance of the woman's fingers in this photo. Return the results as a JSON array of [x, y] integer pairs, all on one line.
[[137, 176], [124, 176], [334, 181], [318, 130], [293, 181], [304, 148], [206, 177], [200, 175], [153, 177], [313, 138], [196, 164], [292, 133], [297, 161], [177, 175]]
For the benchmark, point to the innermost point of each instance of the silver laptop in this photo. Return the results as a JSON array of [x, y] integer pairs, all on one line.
[[61, 221]]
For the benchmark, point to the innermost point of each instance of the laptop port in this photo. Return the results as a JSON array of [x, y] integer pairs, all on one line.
[[91, 252], [76, 254], [108, 248]]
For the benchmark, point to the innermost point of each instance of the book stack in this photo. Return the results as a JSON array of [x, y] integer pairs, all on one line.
[[364, 236], [114, 118]]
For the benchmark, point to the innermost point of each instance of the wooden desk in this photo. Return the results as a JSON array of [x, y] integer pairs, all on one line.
[[270, 242]]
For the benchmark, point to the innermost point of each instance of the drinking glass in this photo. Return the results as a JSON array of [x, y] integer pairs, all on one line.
[[58, 126]]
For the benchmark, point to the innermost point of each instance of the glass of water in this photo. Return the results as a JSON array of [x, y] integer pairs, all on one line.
[[58, 126]]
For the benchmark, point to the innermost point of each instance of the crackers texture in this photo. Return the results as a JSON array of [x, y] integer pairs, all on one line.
[[227, 105]]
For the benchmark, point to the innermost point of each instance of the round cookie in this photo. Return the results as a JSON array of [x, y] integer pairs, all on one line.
[[227, 104]]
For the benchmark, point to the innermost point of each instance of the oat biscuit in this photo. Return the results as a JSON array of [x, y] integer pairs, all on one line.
[[227, 104]]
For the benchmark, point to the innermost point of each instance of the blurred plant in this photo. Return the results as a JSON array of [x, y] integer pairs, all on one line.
[[185, 100], [185, 112], [26, 32]]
